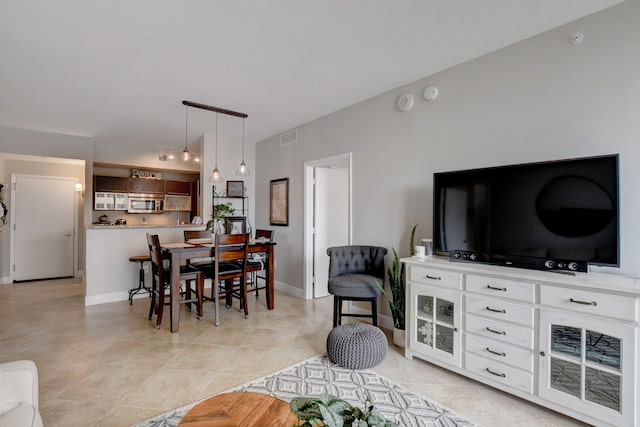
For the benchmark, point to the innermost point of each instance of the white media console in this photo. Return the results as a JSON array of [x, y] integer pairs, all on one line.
[[568, 342]]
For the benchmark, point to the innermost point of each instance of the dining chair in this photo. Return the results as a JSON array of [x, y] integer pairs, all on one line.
[[199, 236], [256, 264], [161, 280], [230, 267]]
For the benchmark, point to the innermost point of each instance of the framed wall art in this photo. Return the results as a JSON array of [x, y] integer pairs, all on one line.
[[235, 188], [279, 202], [236, 225]]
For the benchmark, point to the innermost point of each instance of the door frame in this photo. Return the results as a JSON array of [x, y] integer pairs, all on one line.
[[308, 234], [12, 222]]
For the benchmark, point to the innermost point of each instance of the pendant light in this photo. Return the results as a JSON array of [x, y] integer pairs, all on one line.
[[216, 176], [185, 153], [243, 170]]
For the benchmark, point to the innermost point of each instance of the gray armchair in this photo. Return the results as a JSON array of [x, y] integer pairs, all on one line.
[[353, 272]]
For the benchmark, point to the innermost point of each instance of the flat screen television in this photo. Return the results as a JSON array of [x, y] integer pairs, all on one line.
[[556, 215]]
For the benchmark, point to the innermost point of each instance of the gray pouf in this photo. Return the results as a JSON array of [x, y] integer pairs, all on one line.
[[356, 345]]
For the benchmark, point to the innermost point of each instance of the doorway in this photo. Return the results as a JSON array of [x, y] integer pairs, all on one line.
[[327, 218], [43, 218]]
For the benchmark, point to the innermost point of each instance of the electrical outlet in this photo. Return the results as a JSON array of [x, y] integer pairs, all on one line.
[[146, 269]]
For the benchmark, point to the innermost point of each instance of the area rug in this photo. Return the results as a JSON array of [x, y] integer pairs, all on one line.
[[318, 375]]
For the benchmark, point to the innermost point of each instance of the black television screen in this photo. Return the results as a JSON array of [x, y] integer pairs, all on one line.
[[549, 215]]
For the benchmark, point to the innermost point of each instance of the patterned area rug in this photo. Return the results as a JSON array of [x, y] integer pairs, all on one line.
[[318, 375]]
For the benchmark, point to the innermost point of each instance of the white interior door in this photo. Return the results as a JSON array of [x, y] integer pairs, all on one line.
[[331, 214], [42, 222]]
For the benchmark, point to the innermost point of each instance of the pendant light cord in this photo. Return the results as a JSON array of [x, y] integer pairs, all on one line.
[[216, 140], [186, 127]]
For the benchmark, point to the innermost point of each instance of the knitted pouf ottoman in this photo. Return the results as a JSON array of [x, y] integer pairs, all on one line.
[[356, 345]]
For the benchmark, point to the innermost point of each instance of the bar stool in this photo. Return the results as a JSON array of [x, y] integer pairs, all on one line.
[[141, 287]]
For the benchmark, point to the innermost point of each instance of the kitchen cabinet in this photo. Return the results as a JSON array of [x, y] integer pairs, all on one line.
[[110, 184], [179, 188], [146, 186]]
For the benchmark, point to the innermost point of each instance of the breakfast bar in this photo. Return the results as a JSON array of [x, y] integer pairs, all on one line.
[[109, 274]]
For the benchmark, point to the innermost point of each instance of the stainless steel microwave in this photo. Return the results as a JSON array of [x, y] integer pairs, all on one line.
[[146, 203]]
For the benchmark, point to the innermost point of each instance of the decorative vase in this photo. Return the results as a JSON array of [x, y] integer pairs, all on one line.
[[398, 337]]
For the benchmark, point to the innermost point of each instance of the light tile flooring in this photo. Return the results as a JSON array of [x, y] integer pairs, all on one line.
[[105, 365]]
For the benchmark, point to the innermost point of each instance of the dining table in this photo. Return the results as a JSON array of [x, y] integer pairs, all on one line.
[[179, 252]]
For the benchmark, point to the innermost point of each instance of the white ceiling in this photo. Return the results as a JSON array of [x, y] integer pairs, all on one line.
[[118, 70]]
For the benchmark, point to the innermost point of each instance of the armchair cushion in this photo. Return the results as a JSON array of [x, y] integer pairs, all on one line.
[[19, 394], [355, 286]]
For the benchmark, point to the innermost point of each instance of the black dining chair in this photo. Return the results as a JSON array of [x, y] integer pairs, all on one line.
[[161, 279], [353, 273]]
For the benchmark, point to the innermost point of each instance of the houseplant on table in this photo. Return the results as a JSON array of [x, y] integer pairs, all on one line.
[[397, 286], [220, 212]]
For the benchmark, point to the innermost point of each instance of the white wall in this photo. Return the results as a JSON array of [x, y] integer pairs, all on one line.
[[44, 145], [540, 99]]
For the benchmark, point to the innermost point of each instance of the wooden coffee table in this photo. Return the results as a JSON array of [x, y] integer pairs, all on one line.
[[240, 409]]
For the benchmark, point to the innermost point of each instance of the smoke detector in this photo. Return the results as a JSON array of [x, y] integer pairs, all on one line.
[[576, 38]]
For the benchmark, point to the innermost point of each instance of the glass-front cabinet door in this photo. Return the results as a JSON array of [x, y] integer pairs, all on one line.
[[434, 331], [587, 365]]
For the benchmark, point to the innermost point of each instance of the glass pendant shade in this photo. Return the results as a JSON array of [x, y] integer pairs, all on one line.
[[216, 176], [243, 170], [185, 154]]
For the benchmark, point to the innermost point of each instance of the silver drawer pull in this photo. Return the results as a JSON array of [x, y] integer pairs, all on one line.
[[593, 303], [433, 277], [496, 373], [495, 310], [495, 288], [493, 331], [497, 353]]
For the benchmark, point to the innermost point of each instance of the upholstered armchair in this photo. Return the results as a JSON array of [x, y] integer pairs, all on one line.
[[353, 272]]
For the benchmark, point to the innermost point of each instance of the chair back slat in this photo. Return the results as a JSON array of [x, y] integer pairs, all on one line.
[[157, 267], [231, 248], [196, 234]]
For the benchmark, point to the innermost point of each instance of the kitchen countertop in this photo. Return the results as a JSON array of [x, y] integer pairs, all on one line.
[[110, 227]]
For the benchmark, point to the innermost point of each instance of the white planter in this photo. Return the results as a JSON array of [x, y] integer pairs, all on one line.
[[398, 337]]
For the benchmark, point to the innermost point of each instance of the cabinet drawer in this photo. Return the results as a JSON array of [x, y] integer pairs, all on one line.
[[500, 310], [501, 288], [500, 331], [440, 278], [499, 352], [594, 303], [499, 372]]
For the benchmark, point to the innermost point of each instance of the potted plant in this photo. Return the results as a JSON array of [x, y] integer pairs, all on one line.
[[330, 411], [397, 286], [220, 212]]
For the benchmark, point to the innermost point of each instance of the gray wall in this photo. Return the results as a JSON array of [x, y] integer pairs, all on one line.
[[540, 99]]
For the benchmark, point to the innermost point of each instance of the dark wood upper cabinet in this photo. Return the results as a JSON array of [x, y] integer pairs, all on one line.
[[146, 186], [110, 184], [182, 188]]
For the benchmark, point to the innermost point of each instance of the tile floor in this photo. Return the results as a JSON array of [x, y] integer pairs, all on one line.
[[105, 365]]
